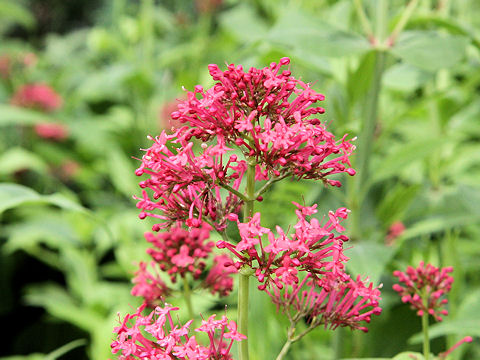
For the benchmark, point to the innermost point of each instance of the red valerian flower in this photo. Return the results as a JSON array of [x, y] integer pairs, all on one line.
[[51, 131], [266, 115], [314, 247], [179, 251], [219, 279], [156, 336], [331, 301], [37, 96], [424, 287], [149, 285]]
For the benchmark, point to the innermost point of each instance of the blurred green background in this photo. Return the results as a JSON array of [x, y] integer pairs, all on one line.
[[69, 230]]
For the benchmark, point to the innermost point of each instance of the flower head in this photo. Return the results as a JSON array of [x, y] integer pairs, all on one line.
[[219, 279], [149, 285], [424, 288], [156, 336], [331, 301], [37, 96], [179, 251], [51, 131], [313, 247]]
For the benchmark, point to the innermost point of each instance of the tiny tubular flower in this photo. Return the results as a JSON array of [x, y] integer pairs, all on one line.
[[313, 247], [156, 336], [149, 285], [219, 279], [331, 301], [423, 288]]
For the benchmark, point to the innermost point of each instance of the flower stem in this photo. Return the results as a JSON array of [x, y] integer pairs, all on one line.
[[426, 340], [406, 15], [244, 278], [188, 298], [284, 350]]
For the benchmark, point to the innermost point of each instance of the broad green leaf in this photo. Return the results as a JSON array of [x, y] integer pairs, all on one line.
[[12, 115], [395, 203], [361, 255], [403, 156], [297, 30], [243, 23], [13, 12], [430, 50], [12, 195], [60, 304], [17, 158], [405, 77], [410, 355], [122, 172]]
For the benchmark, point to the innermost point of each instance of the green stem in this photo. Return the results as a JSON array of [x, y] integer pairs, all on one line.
[[284, 350], [244, 277], [426, 340], [406, 15], [188, 297], [367, 27]]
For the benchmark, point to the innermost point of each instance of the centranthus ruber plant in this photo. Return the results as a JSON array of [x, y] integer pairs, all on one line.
[[424, 288], [236, 139]]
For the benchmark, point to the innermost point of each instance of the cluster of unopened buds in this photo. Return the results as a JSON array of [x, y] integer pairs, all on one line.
[[424, 288]]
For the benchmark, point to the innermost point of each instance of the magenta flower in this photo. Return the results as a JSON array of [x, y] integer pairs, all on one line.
[[314, 248], [149, 285], [156, 336], [37, 96], [219, 279], [331, 301], [51, 131], [179, 251], [424, 287], [265, 114]]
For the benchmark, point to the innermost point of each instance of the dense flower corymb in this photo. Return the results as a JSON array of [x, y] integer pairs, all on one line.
[[424, 287], [267, 116], [156, 336]]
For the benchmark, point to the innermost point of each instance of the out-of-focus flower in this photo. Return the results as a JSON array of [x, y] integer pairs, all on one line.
[[207, 6], [314, 248], [51, 131], [29, 59], [37, 96], [394, 231], [5, 66], [156, 336], [424, 287], [219, 279], [179, 251], [466, 339], [149, 285], [166, 121], [330, 301]]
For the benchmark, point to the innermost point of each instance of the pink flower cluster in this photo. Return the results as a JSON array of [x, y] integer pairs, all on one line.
[[331, 302], [424, 287], [156, 336], [186, 186], [304, 273], [37, 96], [179, 252], [313, 247], [263, 114]]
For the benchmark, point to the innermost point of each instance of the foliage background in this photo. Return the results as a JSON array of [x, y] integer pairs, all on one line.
[[69, 241]]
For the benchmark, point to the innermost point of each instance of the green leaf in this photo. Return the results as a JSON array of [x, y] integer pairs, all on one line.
[[396, 202], [361, 255], [13, 12], [60, 304], [13, 195], [430, 50], [409, 355], [243, 23], [12, 115], [295, 30], [17, 158], [122, 172], [403, 156], [405, 77]]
